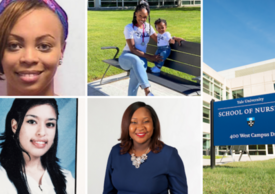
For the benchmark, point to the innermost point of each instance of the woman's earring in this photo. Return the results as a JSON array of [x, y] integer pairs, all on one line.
[[60, 61]]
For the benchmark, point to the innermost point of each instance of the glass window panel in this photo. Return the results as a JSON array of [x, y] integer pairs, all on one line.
[[218, 83], [205, 75], [206, 84], [205, 120], [261, 147], [206, 144], [253, 147], [206, 135], [270, 149], [206, 113], [237, 94], [206, 104], [227, 95], [217, 92]]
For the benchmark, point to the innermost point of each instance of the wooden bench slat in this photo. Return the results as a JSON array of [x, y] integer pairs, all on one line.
[[189, 47], [182, 58], [183, 67]]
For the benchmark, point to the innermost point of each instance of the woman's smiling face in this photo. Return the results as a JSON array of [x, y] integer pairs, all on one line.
[[32, 53], [38, 130], [141, 127], [141, 16]]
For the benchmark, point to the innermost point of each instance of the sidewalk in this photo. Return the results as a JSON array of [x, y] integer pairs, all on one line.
[[120, 87], [206, 162]]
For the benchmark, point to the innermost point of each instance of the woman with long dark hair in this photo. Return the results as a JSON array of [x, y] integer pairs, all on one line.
[[142, 163], [29, 146], [134, 57]]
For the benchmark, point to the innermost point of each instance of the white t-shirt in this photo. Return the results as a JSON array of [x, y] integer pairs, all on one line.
[[163, 39], [133, 32], [47, 187]]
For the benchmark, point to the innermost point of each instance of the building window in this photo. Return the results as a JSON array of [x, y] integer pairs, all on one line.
[[217, 92], [190, 2], [91, 3], [206, 112], [206, 143], [207, 87], [227, 93], [212, 87], [237, 94], [270, 148], [257, 150]]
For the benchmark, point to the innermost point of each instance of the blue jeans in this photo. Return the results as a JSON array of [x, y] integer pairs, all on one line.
[[164, 52], [137, 66]]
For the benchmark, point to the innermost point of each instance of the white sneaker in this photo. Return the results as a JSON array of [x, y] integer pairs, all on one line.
[[150, 94], [155, 69]]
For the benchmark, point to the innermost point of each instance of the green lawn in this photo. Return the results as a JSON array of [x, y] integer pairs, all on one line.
[[105, 28], [217, 157], [241, 178]]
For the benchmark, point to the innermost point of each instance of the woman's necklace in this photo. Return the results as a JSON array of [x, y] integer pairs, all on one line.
[[137, 161], [143, 35], [143, 43]]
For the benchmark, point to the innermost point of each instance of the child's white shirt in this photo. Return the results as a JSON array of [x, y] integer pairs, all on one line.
[[163, 39]]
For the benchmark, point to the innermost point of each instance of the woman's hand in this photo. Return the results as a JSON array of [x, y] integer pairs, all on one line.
[[172, 41], [156, 58], [178, 40]]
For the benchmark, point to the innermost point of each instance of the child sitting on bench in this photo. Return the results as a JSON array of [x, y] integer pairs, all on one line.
[[164, 39]]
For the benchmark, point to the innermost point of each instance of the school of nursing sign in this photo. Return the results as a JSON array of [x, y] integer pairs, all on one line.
[[245, 121]]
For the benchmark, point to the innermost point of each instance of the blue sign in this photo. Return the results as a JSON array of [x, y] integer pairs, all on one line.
[[245, 121]]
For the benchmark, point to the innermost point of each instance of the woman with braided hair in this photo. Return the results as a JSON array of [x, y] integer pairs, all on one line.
[[134, 57]]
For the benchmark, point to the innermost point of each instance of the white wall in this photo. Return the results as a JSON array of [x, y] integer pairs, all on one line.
[[180, 120], [255, 84], [81, 176], [70, 78]]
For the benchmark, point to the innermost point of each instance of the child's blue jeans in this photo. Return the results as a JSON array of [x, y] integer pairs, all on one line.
[[137, 66], [164, 52]]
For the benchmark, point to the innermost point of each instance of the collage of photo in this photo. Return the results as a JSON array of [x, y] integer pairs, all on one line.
[[137, 97]]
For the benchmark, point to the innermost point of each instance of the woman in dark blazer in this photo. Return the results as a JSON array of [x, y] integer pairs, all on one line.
[[141, 163]]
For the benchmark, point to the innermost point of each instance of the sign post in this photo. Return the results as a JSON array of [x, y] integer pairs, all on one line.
[[212, 148]]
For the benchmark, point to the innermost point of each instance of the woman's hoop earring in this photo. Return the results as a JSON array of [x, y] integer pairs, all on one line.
[[60, 61]]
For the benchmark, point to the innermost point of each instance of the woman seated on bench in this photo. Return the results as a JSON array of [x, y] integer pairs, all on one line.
[[134, 57]]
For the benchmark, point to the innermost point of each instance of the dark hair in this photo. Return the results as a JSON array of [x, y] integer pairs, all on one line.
[[158, 21], [142, 5], [11, 156], [126, 143]]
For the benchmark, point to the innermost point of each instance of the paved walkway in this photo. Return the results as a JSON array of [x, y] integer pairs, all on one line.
[[206, 162], [120, 87]]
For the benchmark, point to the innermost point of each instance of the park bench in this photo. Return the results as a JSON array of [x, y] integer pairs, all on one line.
[[184, 58]]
